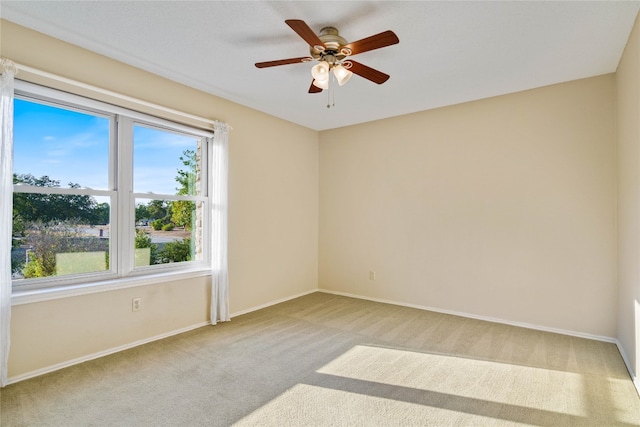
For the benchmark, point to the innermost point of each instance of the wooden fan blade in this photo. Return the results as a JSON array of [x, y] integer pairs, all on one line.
[[314, 89], [384, 39], [304, 31], [282, 62], [368, 72]]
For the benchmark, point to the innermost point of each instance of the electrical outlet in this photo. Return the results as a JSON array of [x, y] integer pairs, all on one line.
[[136, 304], [372, 275]]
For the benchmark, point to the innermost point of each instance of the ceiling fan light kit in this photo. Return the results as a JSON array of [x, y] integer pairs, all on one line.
[[332, 52], [320, 71], [342, 74], [322, 84], [321, 74]]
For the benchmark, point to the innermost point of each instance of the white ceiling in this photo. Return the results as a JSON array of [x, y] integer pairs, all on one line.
[[449, 52]]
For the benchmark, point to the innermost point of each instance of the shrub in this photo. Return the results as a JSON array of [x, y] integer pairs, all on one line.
[[36, 268], [177, 251], [46, 239], [143, 240], [157, 224], [167, 227]]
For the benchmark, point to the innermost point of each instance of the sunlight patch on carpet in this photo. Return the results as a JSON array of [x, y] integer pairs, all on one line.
[[310, 405], [523, 386]]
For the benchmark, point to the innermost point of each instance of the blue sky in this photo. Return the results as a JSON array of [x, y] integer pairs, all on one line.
[[70, 146]]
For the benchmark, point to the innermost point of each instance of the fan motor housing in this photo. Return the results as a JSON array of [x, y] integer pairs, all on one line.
[[334, 50]]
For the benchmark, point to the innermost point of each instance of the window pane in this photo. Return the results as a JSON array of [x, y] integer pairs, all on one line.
[[165, 162], [67, 198], [168, 231], [48, 243], [59, 147]]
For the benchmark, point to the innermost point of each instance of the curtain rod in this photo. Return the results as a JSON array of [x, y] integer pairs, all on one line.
[[107, 92]]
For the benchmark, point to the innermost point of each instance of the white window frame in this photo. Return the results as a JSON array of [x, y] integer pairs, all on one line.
[[122, 272]]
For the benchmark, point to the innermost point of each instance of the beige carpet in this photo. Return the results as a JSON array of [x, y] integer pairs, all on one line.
[[326, 360]]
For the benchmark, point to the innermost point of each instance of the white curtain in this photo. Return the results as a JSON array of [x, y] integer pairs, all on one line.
[[7, 71], [219, 197]]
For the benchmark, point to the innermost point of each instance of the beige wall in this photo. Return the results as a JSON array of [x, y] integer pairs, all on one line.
[[503, 208], [45, 334], [273, 218], [628, 138]]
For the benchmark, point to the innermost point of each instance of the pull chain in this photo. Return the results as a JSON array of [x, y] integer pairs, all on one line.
[[331, 96]]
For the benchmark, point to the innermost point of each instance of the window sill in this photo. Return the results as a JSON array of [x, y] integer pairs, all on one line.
[[46, 294]]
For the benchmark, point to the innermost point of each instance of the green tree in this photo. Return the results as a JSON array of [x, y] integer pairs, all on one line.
[[182, 210], [79, 206], [32, 206], [187, 178], [50, 207], [157, 209], [142, 212], [101, 214], [182, 213]]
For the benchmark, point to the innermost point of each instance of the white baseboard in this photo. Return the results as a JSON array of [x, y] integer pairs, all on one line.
[[634, 378], [107, 352], [103, 353], [76, 361], [636, 381], [269, 304], [478, 317]]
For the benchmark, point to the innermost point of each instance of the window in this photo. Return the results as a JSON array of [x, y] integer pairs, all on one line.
[[103, 193], [174, 216]]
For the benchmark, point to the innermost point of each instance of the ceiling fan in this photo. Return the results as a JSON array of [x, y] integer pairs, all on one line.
[[333, 54]]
